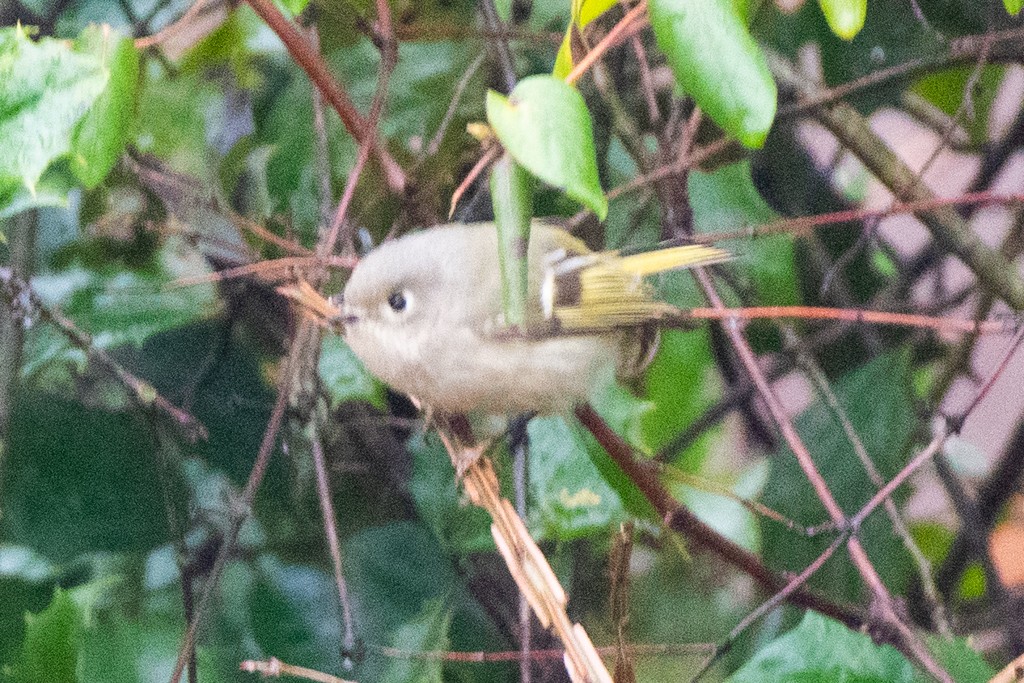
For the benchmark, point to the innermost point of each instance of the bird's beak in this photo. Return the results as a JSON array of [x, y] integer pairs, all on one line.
[[327, 311], [347, 315]]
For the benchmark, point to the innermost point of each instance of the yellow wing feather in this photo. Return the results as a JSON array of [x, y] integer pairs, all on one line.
[[672, 258], [607, 291]]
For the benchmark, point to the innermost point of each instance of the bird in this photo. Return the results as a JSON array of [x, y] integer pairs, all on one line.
[[424, 314]]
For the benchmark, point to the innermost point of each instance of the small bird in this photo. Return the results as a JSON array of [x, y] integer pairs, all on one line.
[[424, 314]]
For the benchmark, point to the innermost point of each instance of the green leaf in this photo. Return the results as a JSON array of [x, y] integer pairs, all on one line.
[[393, 571], [583, 12], [80, 480], [544, 124], [50, 651], [427, 632], [504, 8], [22, 589], [570, 496], [725, 514], [101, 135], [288, 613], [821, 649], [169, 106], [962, 662], [683, 360], [51, 190], [1013, 6], [344, 376], [877, 400], [715, 60], [465, 528], [973, 583], [143, 648], [127, 307], [727, 200], [412, 117], [295, 7], [845, 17], [45, 90]]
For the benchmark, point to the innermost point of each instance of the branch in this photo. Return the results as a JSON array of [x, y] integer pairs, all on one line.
[[946, 226], [23, 299], [903, 637], [679, 518], [313, 64]]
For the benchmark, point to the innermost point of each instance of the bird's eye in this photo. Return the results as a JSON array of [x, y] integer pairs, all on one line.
[[397, 302]]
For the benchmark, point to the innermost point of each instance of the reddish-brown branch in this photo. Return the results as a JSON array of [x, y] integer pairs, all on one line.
[[626, 27], [314, 65], [639, 649], [680, 519], [486, 160], [855, 316], [805, 223], [904, 638]]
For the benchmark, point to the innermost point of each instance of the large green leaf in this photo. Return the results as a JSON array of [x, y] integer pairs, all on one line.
[[716, 61], [1013, 6], [117, 307], [823, 650], [570, 496], [101, 136], [439, 502], [50, 651], [169, 106], [412, 118], [679, 387], [726, 200], [45, 90], [394, 572], [544, 124], [80, 480], [877, 400]]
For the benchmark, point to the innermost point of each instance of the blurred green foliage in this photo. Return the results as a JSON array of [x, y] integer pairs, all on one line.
[[142, 172]]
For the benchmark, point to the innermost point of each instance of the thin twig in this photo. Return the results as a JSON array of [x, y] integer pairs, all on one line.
[[323, 491], [623, 29], [634, 649], [242, 508], [21, 297], [171, 29], [494, 24], [680, 519], [857, 316], [802, 224], [907, 639], [946, 226], [313, 64], [275, 668], [460, 88], [486, 160], [924, 567]]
